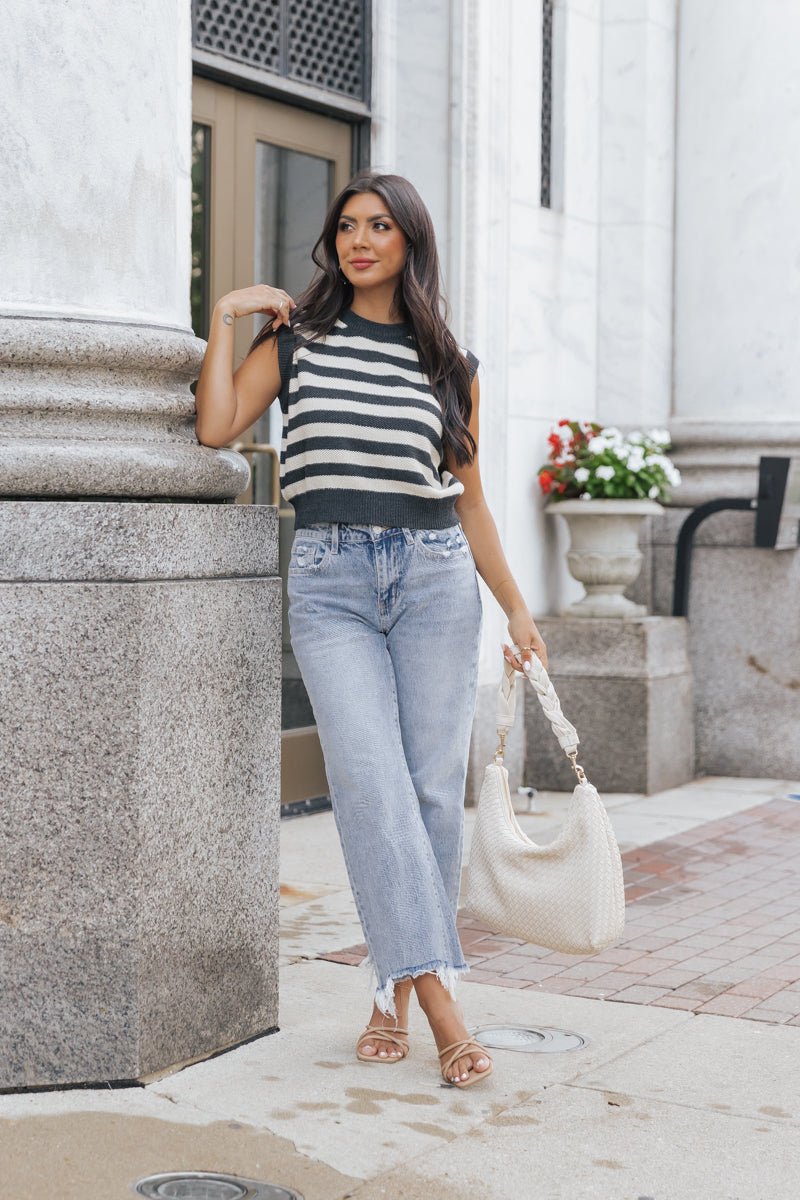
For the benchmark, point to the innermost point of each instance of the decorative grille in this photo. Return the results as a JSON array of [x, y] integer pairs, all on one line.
[[321, 42], [547, 99], [249, 30]]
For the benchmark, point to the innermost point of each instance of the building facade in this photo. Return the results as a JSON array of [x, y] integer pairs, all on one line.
[[616, 240], [612, 194]]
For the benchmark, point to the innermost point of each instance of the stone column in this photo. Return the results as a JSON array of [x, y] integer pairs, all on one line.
[[139, 608], [736, 362]]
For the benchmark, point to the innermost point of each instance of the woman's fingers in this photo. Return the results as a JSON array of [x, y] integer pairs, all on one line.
[[519, 658], [281, 303]]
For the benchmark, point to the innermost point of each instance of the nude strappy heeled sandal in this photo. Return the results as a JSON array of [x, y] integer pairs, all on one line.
[[375, 1032], [459, 1049]]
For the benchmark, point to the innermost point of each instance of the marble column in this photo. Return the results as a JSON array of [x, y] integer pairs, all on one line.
[[737, 287], [736, 363], [139, 607]]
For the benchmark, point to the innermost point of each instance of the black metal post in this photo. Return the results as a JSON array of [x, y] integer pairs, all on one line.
[[683, 557]]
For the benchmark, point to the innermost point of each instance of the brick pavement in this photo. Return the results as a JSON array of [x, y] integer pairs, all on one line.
[[713, 925]]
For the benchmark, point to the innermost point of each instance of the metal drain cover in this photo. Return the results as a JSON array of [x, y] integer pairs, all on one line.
[[205, 1185], [528, 1040]]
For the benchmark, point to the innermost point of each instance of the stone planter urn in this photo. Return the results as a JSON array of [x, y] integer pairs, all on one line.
[[604, 552]]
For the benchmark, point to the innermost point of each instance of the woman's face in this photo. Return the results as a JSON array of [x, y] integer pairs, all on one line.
[[370, 244]]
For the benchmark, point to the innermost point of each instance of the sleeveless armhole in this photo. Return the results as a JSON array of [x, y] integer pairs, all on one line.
[[285, 352], [286, 345], [473, 364]]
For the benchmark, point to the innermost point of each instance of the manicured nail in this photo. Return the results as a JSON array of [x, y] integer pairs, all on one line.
[[526, 665]]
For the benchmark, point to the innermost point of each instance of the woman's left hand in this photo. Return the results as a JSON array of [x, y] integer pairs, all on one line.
[[523, 632]]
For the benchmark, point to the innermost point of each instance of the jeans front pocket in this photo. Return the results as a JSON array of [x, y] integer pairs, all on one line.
[[309, 554], [442, 545]]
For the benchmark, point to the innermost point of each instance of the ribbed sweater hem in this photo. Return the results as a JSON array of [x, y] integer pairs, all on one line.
[[374, 508]]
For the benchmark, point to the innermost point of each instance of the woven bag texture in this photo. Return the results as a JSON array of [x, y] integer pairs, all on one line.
[[567, 895]]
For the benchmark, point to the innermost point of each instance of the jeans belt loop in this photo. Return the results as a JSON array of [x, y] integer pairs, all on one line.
[[408, 535], [335, 537]]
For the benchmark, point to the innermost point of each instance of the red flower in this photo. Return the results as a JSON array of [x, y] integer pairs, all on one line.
[[546, 482], [562, 487]]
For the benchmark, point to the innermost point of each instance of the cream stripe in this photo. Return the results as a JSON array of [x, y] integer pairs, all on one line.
[[311, 404], [342, 363], [398, 437], [361, 458], [335, 339], [353, 484], [405, 400]]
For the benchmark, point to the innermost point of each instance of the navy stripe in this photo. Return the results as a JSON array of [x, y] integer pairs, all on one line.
[[339, 349], [359, 421], [349, 471], [368, 378], [309, 391], [355, 445]]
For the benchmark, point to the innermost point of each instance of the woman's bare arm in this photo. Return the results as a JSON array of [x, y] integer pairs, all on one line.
[[227, 403], [484, 542]]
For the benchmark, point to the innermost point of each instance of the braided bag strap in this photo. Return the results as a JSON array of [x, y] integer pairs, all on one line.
[[541, 683]]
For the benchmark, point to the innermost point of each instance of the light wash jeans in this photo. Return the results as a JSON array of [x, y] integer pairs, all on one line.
[[385, 625]]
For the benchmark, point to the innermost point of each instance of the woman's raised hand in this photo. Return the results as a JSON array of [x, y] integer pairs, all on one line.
[[524, 634], [260, 298]]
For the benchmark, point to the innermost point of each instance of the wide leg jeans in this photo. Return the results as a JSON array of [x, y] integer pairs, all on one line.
[[385, 625]]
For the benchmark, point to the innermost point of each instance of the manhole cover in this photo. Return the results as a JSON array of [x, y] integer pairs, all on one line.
[[528, 1040], [204, 1185]]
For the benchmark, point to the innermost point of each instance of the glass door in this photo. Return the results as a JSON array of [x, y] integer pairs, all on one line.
[[263, 174]]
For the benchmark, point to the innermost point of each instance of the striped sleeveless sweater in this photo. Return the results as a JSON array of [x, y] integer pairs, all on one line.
[[362, 431]]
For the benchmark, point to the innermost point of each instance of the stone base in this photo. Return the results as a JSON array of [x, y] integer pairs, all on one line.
[[744, 643], [627, 688], [140, 720]]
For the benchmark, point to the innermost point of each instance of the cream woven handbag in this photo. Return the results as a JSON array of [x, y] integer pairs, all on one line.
[[567, 895]]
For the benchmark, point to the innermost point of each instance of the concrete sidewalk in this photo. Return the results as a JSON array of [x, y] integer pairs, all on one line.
[[660, 1102]]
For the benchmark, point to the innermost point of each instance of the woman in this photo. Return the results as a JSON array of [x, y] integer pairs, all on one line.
[[379, 458]]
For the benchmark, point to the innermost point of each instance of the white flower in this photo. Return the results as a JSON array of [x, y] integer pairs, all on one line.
[[604, 472], [636, 461], [660, 437], [581, 474], [635, 438], [673, 475], [597, 445], [658, 460], [584, 496], [653, 493], [564, 432]]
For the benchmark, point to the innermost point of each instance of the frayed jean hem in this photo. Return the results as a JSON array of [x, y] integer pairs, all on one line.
[[444, 972]]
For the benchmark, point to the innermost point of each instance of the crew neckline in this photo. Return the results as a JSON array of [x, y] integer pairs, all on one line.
[[376, 329]]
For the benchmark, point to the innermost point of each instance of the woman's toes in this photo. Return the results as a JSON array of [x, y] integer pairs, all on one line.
[[368, 1048]]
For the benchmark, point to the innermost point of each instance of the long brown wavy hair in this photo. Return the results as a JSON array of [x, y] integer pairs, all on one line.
[[418, 297]]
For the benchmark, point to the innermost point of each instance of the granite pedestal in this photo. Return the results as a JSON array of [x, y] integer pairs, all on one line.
[[140, 730], [626, 685], [744, 643]]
